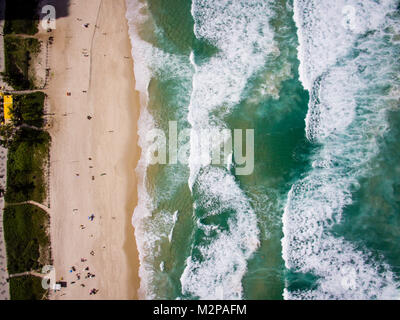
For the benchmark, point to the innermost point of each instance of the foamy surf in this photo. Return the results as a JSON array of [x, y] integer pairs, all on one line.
[[204, 233], [218, 84], [216, 269], [346, 64], [149, 61]]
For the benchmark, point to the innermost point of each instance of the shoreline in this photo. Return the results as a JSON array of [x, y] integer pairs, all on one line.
[[94, 152]]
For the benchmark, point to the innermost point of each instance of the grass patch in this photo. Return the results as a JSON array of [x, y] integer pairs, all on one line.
[[18, 55], [26, 288], [25, 233], [28, 109], [21, 17], [27, 155]]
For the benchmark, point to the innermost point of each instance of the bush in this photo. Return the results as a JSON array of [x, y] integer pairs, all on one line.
[[6, 134], [25, 233], [27, 155], [21, 17], [28, 109], [18, 53], [26, 288]]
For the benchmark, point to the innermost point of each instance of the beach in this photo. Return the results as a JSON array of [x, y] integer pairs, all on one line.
[[316, 216], [93, 110], [303, 98]]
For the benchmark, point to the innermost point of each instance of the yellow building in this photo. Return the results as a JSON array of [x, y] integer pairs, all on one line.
[[7, 101]]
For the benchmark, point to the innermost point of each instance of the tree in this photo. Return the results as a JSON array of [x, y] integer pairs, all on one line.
[[6, 134]]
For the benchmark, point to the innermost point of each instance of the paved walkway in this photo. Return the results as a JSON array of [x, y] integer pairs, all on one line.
[[34, 203], [4, 288], [27, 273]]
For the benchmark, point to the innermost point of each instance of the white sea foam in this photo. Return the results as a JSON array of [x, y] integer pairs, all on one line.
[[219, 271], [174, 220], [149, 61], [347, 116], [241, 33], [315, 204], [142, 77], [331, 37]]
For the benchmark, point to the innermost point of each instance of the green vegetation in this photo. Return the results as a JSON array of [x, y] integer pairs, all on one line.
[[25, 225], [27, 155], [25, 233], [18, 54], [21, 17], [6, 134], [28, 109], [26, 288]]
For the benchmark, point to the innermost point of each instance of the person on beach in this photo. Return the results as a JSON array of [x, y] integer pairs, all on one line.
[[93, 291]]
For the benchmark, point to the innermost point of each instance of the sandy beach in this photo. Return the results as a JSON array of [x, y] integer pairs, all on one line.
[[93, 124]]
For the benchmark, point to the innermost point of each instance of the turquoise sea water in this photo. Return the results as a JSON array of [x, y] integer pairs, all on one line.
[[318, 81]]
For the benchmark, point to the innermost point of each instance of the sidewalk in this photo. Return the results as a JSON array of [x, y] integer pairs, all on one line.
[[4, 287]]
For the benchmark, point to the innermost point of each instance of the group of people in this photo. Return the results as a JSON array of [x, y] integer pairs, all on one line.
[[88, 275]]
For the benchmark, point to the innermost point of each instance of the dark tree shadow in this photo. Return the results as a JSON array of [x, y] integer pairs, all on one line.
[[31, 9], [22, 16], [61, 6]]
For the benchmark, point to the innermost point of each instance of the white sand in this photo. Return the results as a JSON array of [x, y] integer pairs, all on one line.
[[109, 139]]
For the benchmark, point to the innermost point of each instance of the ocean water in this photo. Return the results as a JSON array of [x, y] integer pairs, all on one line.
[[318, 82]]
